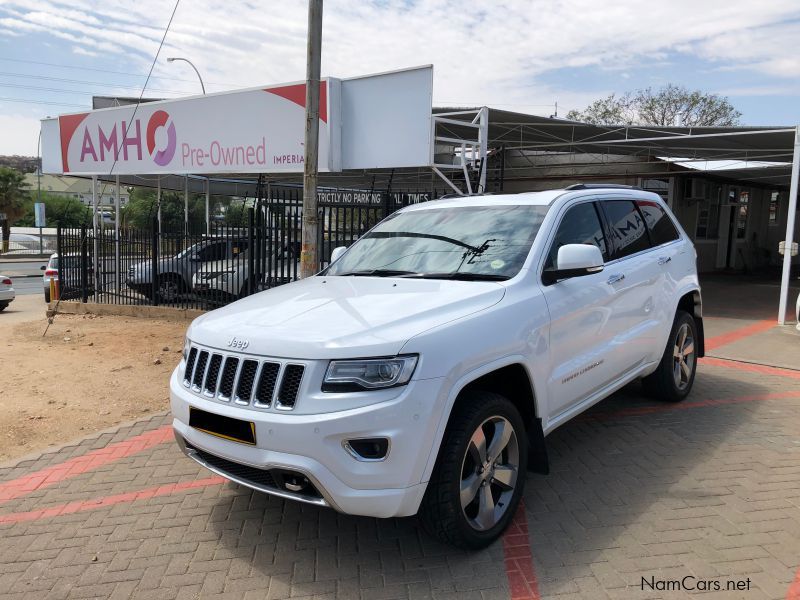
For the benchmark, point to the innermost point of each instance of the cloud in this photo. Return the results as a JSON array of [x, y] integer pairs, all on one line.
[[20, 132]]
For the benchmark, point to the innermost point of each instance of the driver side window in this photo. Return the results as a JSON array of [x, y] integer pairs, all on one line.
[[580, 225]]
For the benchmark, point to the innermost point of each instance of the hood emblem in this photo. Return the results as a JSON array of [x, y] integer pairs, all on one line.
[[237, 343]]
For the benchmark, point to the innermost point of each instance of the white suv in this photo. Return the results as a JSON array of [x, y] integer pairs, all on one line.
[[422, 370]]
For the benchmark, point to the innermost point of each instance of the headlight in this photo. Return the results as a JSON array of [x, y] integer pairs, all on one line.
[[187, 343], [368, 374]]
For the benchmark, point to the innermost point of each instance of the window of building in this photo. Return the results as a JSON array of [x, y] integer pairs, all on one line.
[[580, 225], [741, 215], [662, 229], [708, 216], [774, 208], [627, 228]]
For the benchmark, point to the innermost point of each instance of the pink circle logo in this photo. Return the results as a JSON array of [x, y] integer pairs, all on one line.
[[164, 156]]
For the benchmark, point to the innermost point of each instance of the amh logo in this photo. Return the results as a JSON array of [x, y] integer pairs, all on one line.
[[162, 157]]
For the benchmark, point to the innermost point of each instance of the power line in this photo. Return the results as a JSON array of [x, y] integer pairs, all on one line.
[[82, 81], [127, 73], [26, 101]]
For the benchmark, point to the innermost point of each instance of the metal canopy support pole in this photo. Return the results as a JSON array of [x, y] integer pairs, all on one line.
[[186, 205], [483, 141], [309, 255], [116, 235], [95, 233], [790, 219], [208, 204], [158, 204]]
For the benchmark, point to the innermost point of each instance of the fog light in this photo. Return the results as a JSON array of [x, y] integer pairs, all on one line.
[[368, 449]]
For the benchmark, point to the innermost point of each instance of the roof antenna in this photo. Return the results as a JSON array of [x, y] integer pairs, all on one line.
[[555, 114]]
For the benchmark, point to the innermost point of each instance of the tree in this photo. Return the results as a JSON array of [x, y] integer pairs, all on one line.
[[61, 211], [143, 207], [13, 200], [671, 105]]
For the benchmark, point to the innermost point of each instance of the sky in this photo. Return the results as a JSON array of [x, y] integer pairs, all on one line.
[[527, 56]]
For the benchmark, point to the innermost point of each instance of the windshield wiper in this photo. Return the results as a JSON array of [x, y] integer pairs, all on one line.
[[460, 276], [378, 273]]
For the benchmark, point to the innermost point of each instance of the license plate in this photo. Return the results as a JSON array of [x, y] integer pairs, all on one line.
[[227, 428]]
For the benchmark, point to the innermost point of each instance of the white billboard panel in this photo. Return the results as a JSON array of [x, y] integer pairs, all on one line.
[[377, 121], [386, 119], [251, 131]]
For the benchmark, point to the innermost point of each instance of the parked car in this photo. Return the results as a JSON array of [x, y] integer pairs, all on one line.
[[71, 271], [421, 372], [7, 293], [228, 280], [175, 272]]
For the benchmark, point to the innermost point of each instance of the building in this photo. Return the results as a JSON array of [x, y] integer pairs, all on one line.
[[79, 188]]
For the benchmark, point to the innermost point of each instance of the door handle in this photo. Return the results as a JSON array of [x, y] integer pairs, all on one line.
[[662, 260], [616, 278]]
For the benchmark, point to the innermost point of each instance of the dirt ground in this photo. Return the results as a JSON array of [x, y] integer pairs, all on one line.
[[87, 374]]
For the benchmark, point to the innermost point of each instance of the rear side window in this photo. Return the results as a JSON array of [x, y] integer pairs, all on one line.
[[662, 229], [580, 225], [627, 229]]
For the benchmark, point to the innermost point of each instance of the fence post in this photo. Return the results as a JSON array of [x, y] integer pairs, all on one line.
[[251, 258], [154, 268], [61, 253], [84, 266]]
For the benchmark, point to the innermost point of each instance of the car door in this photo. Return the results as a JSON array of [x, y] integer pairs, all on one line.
[[636, 277], [584, 320]]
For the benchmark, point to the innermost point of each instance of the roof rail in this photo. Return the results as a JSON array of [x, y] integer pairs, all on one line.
[[602, 186]]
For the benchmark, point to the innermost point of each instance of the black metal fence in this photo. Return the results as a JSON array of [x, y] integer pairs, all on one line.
[[204, 271]]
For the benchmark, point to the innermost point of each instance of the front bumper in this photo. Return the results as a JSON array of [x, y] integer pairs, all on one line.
[[313, 446]]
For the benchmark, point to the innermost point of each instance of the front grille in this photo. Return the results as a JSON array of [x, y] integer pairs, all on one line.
[[266, 383], [292, 376], [242, 379], [131, 272], [228, 377], [246, 379], [190, 365], [200, 371], [210, 388]]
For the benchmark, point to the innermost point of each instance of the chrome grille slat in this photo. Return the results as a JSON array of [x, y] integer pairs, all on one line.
[[243, 379]]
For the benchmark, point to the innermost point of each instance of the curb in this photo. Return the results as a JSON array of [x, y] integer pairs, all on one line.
[[125, 310]]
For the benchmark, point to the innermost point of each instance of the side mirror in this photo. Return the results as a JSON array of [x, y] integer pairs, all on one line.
[[574, 260], [337, 253], [43, 268]]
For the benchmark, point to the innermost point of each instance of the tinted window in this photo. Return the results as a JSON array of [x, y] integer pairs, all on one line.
[[212, 252], [490, 241], [580, 225], [628, 231], [662, 229]]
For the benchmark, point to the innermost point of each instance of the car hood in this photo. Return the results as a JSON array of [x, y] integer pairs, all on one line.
[[337, 317]]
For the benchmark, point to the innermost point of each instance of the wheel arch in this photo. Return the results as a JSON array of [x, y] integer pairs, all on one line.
[[691, 301], [511, 379]]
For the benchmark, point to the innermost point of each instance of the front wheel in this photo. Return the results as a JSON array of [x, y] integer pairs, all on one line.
[[479, 475], [169, 288], [673, 379]]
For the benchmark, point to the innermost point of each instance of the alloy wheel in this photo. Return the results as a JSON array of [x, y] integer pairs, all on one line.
[[489, 473], [683, 357]]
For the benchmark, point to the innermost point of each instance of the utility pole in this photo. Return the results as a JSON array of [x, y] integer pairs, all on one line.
[[309, 257]]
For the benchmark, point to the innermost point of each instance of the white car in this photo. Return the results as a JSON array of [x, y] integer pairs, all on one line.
[[421, 372], [227, 280], [7, 293]]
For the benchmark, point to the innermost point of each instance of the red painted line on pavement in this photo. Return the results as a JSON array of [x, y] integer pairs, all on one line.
[[659, 408], [84, 505], [518, 559], [738, 334], [794, 589], [81, 464], [750, 367]]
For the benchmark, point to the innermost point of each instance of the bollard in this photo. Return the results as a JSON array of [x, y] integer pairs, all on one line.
[[53, 289]]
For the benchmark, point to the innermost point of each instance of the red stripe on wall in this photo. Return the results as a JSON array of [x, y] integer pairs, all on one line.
[[84, 505], [67, 124], [794, 589], [81, 464], [518, 559], [738, 334]]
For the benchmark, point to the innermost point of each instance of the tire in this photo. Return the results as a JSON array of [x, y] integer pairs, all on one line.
[[47, 296], [441, 512], [169, 288], [3, 306], [673, 379]]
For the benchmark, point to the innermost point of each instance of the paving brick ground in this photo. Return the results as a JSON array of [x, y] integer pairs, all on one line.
[[640, 495]]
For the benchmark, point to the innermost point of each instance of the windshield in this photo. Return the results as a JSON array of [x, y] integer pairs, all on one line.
[[473, 242]]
